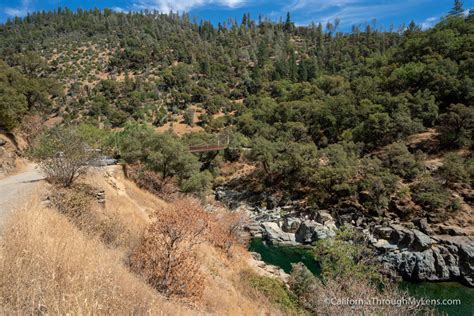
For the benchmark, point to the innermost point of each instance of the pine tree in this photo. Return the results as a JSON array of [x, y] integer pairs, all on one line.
[[457, 9], [293, 67], [244, 20], [288, 24], [302, 71]]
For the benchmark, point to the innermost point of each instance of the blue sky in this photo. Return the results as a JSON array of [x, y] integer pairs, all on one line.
[[350, 12]]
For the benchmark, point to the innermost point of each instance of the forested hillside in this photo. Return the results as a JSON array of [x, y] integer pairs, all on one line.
[[295, 95], [357, 143]]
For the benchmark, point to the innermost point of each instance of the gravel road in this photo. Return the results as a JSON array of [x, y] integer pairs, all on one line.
[[15, 189]]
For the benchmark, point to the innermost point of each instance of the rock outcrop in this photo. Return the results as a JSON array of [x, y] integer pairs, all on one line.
[[416, 250], [274, 234], [311, 231], [417, 256]]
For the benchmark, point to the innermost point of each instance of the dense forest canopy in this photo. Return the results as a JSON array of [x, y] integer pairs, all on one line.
[[311, 102]]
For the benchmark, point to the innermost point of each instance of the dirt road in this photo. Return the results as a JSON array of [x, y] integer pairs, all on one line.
[[16, 189]]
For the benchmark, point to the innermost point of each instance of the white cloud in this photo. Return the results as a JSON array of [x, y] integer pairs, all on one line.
[[429, 22], [118, 9], [21, 10], [350, 12], [183, 5], [319, 5]]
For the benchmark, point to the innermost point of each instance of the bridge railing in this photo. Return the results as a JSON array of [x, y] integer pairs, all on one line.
[[222, 143]]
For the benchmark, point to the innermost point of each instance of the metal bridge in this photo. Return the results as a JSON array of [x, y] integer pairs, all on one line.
[[222, 143]]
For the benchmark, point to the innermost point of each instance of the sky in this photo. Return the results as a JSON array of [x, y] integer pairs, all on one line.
[[350, 12]]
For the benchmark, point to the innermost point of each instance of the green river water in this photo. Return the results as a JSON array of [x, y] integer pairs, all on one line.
[[283, 257]]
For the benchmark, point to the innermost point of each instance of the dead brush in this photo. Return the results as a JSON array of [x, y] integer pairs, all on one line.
[[152, 182], [165, 255], [226, 230], [48, 266], [79, 205]]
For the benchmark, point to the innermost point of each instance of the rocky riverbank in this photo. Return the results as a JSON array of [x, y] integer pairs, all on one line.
[[414, 251]]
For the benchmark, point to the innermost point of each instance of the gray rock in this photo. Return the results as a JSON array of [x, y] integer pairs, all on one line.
[[422, 241], [423, 225], [403, 262], [401, 236], [311, 231], [274, 234], [383, 232], [466, 262], [452, 231], [419, 266], [425, 269], [324, 217], [271, 202], [451, 260], [254, 229], [384, 245], [291, 224], [442, 269], [2, 142], [256, 256]]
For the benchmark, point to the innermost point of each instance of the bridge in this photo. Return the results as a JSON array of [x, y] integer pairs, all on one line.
[[222, 143]]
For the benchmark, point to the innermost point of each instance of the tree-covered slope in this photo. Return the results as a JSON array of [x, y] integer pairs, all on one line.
[[316, 106]]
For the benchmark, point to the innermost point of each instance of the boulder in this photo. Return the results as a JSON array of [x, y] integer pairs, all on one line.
[[254, 229], [401, 236], [466, 262], [403, 262], [291, 224], [383, 232], [324, 217], [423, 225], [452, 230], [271, 202], [425, 269], [442, 269], [383, 245], [256, 256], [418, 266], [2, 142], [274, 234], [422, 241], [311, 231]]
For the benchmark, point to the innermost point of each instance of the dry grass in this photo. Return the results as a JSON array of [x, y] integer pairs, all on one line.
[[225, 293], [47, 266], [53, 263]]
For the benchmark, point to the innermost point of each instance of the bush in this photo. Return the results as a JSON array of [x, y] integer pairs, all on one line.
[[456, 126], [165, 255], [346, 256], [198, 183], [401, 162], [376, 186], [272, 289], [63, 155], [321, 298], [189, 117], [430, 194], [454, 169], [226, 230]]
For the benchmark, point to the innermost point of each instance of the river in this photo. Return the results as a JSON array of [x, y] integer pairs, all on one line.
[[283, 257]]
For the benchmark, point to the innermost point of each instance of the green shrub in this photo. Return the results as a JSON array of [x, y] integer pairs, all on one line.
[[346, 256], [401, 161], [272, 289], [430, 194], [456, 126], [199, 183], [454, 169]]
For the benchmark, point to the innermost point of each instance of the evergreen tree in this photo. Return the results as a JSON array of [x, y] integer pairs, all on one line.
[[288, 24], [457, 9]]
